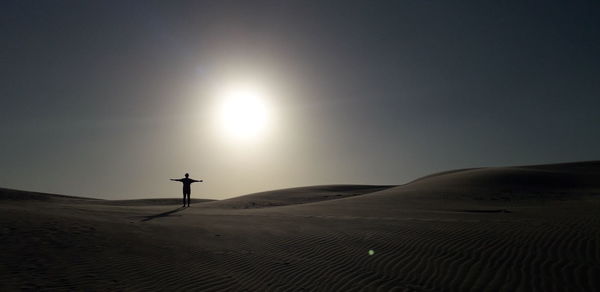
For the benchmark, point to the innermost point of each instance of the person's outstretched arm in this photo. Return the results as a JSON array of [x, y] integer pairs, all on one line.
[[196, 180], [175, 179]]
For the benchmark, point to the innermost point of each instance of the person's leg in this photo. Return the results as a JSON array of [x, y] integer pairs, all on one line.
[[188, 199], [184, 199]]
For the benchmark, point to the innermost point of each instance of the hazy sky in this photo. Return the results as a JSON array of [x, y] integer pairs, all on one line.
[[112, 98]]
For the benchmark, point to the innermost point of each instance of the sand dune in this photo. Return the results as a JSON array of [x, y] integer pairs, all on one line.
[[295, 196], [537, 177], [18, 195], [529, 228]]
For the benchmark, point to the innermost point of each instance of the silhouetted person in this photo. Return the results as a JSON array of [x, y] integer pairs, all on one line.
[[187, 187]]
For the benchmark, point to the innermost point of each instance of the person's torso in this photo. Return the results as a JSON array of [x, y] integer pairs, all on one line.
[[187, 182]]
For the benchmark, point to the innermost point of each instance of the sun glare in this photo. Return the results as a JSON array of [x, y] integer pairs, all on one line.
[[243, 113]]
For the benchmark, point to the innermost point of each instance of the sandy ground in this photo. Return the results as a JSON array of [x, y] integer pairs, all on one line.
[[532, 228]]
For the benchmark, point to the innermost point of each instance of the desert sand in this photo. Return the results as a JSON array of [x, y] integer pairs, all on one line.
[[526, 228]]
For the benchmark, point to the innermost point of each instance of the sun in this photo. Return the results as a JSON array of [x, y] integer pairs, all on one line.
[[243, 113]]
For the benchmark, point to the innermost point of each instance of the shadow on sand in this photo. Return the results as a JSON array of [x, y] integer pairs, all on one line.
[[164, 214]]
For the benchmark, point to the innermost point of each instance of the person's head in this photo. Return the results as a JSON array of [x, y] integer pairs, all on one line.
[[186, 175]]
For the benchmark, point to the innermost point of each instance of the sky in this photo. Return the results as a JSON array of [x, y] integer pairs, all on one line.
[[111, 99]]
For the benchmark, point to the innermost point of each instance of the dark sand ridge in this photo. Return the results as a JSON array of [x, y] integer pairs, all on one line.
[[295, 196], [18, 195], [484, 188], [442, 232]]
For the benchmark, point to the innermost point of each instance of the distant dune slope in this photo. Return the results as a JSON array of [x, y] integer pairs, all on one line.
[[10, 194], [294, 196], [19, 195], [550, 176], [552, 181], [491, 185], [486, 189]]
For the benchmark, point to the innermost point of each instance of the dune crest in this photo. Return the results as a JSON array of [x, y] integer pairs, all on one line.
[[296, 196]]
